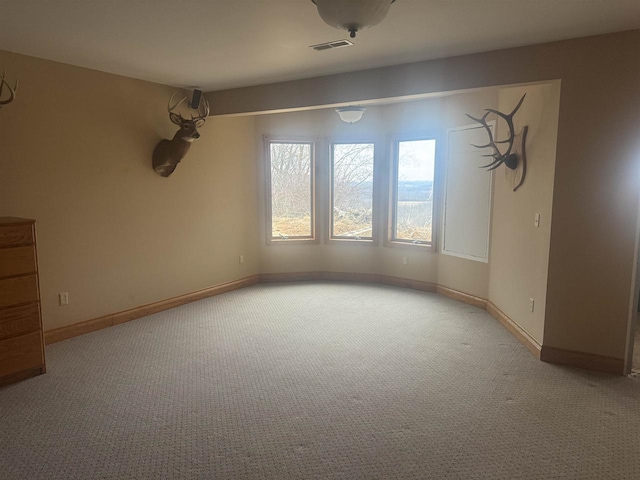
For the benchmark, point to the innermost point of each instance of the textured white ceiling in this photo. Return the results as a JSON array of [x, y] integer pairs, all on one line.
[[218, 44]]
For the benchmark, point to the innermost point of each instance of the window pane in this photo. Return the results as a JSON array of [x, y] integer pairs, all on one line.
[[291, 197], [413, 212], [352, 190]]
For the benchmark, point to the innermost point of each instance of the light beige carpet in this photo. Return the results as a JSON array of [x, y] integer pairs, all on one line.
[[315, 381]]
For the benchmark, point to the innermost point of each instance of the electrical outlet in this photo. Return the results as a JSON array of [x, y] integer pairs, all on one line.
[[531, 304], [63, 298], [405, 260], [241, 259], [536, 220]]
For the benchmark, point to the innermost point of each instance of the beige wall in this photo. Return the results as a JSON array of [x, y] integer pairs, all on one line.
[[75, 154], [464, 275], [596, 182], [519, 250], [595, 199]]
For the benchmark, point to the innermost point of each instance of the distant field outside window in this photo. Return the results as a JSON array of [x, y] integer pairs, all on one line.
[[352, 190], [413, 191], [291, 190]]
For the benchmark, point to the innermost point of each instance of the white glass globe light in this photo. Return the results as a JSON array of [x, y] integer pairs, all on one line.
[[350, 114], [353, 15]]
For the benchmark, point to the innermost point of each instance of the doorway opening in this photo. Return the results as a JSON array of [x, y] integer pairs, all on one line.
[[635, 338], [632, 364], [635, 343]]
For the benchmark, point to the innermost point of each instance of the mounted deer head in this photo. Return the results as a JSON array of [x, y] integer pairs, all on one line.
[[168, 153], [514, 155], [12, 91]]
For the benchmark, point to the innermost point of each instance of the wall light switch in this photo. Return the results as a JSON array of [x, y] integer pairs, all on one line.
[[531, 304], [241, 259], [536, 221]]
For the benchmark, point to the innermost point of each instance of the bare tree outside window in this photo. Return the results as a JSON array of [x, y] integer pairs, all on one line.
[[291, 190], [352, 190], [413, 191]]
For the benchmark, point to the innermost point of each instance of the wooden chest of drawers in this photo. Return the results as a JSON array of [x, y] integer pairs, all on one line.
[[21, 339]]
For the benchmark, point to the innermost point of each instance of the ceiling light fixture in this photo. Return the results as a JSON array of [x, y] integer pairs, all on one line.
[[353, 15], [350, 114]]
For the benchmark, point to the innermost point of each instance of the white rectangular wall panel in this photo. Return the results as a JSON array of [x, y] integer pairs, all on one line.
[[467, 203]]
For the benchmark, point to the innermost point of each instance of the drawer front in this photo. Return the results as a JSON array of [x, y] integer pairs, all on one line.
[[16, 321], [16, 235], [21, 353], [14, 291], [17, 261]]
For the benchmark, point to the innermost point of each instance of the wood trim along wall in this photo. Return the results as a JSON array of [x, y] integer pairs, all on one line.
[[462, 297], [70, 331], [349, 277], [515, 329], [546, 354], [588, 361]]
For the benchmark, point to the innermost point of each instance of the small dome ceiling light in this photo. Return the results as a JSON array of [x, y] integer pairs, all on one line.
[[353, 15], [350, 114]]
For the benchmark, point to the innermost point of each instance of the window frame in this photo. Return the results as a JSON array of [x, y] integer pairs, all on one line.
[[394, 154], [268, 140], [330, 237]]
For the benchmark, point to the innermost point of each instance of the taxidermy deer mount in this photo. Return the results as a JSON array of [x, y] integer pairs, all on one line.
[[12, 91], [168, 153], [514, 156]]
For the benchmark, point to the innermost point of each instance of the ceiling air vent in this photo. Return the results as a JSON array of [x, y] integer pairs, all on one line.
[[331, 45]]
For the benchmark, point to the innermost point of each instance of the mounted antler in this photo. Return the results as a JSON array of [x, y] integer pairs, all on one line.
[[168, 153], [12, 91], [508, 158]]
